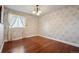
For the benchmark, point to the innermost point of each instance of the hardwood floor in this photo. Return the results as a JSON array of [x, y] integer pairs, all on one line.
[[37, 44]]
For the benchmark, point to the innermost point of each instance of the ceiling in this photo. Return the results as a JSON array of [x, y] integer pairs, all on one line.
[[29, 8]]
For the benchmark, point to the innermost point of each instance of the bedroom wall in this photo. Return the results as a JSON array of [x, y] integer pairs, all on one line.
[[30, 29], [62, 24]]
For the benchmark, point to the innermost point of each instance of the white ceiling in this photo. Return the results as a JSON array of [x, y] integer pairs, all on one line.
[[29, 8]]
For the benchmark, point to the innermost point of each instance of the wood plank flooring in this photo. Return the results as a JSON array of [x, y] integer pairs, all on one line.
[[37, 44]]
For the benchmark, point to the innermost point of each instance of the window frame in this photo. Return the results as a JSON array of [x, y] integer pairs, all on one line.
[[17, 15]]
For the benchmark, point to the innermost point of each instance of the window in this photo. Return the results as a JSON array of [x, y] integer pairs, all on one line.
[[16, 21]]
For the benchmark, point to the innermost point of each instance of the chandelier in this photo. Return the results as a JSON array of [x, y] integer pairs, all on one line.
[[37, 10]]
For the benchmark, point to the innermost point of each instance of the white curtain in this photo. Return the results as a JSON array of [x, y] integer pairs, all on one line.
[[16, 21], [16, 26]]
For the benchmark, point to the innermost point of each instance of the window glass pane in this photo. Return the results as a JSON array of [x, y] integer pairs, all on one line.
[[16, 21]]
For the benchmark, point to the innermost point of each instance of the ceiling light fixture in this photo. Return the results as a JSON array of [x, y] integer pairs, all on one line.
[[37, 10]]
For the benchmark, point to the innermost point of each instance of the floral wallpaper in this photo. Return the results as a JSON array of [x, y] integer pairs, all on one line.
[[61, 24]]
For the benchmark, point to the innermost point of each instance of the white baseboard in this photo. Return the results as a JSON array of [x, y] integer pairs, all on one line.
[[21, 38], [30, 36], [1, 47], [63, 41], [14, 38]]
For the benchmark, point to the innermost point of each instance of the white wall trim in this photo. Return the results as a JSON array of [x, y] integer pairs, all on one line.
[[20, 38], [1, 47], [2, 37], [66, 42], [14, 40], [63, 41], [30, 36]]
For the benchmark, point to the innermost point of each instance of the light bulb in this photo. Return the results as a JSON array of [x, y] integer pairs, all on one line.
[[38, 14], [39, 11], [34, 12]]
